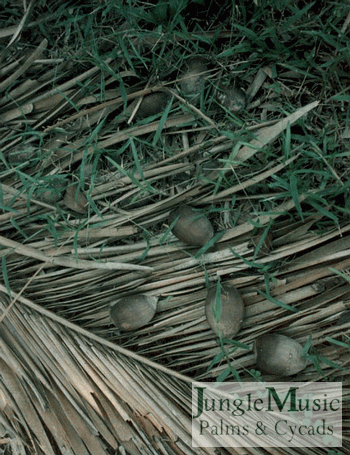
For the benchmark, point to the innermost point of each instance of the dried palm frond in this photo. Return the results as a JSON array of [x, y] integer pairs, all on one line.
[[61, 387]]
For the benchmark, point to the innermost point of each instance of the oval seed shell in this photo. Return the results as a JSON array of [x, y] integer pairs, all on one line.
[[224, 315], [278, 354], [193, 77], [134, 311], [232, 98], [152, 104], [192, 227]]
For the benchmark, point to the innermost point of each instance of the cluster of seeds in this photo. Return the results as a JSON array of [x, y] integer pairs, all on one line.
[[224, 306]]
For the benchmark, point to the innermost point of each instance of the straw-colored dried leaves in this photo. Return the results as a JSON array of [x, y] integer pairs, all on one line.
[[209, 170], [344, 318], [262, 242]]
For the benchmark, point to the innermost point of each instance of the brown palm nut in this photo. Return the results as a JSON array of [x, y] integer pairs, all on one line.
[[152, 104], [193, 76], [224, 312], [191, 227], [232, 98], [133, 312], [278, 354]]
